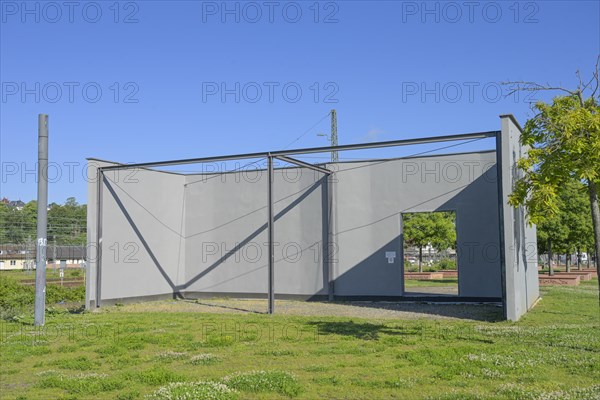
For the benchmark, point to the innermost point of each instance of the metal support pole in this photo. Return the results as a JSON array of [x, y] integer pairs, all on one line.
[[334, 136], [42, 222], [100, 184], [501, 220], [271, 235], [328, 250], [401, 255]]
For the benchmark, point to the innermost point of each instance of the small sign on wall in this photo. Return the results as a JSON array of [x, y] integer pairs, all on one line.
[[391, 256]]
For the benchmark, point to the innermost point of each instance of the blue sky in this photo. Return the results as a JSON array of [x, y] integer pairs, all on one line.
[[143, 80]]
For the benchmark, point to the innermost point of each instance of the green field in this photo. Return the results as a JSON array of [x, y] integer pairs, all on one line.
[[122, 353], [446, 282], [51, 273]]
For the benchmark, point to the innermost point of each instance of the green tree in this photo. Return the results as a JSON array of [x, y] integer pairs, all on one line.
[[71, 202], [563, 141], [4, 213], [551, 236], [576, 217], [66, 223], [436, 229]]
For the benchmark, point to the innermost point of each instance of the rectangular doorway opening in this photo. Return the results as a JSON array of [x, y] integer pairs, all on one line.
[[429, 244]]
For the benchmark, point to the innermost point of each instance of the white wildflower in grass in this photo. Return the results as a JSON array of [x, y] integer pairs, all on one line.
[[47, 372], [87, 375], [170, 355], [194, 391], [204, 359], [524, 393], [504, 361], [400, 383], [264, 381], [490, 373], [81, 384]]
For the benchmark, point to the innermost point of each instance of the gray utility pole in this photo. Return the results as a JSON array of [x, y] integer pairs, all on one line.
[[334, 135], [271, 236], [42, 222], [54, 253]]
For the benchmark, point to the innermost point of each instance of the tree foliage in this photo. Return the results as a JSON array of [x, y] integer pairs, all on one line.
[[564, 145], [436, 229], [66, 223], [577, 218], [570, 229], [563, 141]]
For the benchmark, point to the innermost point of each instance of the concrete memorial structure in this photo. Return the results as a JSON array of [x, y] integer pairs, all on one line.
[[285, 228]]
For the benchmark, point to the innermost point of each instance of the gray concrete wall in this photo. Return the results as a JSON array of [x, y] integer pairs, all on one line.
[[371, 196], [226, 232], [205, 234], [142, 250], [520, 247]]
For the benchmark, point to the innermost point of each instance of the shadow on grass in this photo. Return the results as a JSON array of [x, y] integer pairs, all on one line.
[[472, 312], [223, 306], [374, 331], [358, 330]]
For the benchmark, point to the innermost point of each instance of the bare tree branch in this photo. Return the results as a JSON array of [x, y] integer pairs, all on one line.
[[578, 75], [596, 76], [529, 86]]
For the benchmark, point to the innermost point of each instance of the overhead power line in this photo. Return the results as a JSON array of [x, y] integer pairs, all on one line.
[[307, 131]]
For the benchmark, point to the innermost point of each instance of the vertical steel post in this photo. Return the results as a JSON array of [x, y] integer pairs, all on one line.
[[100, 184], [42, 222], [271, 235], [328, 250], [401, 255], [501, 220], [334, 136]]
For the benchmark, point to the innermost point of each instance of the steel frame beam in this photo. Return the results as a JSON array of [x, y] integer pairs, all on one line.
[[304, 164], [270, 156], [310, 150]]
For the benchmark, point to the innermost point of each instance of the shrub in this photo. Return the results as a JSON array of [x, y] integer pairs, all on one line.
[[17, 299], [76, 273], [14, 297], [55, 294], [446, 263]]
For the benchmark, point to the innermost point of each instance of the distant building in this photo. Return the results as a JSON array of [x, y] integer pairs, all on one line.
[[15, 257], [18, 204]]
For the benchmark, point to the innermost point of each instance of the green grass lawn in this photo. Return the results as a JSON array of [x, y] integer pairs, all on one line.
[[51, 273], [552, 353], [431, 282]]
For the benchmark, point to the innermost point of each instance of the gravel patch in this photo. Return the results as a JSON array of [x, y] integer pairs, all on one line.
[[355, 309]]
